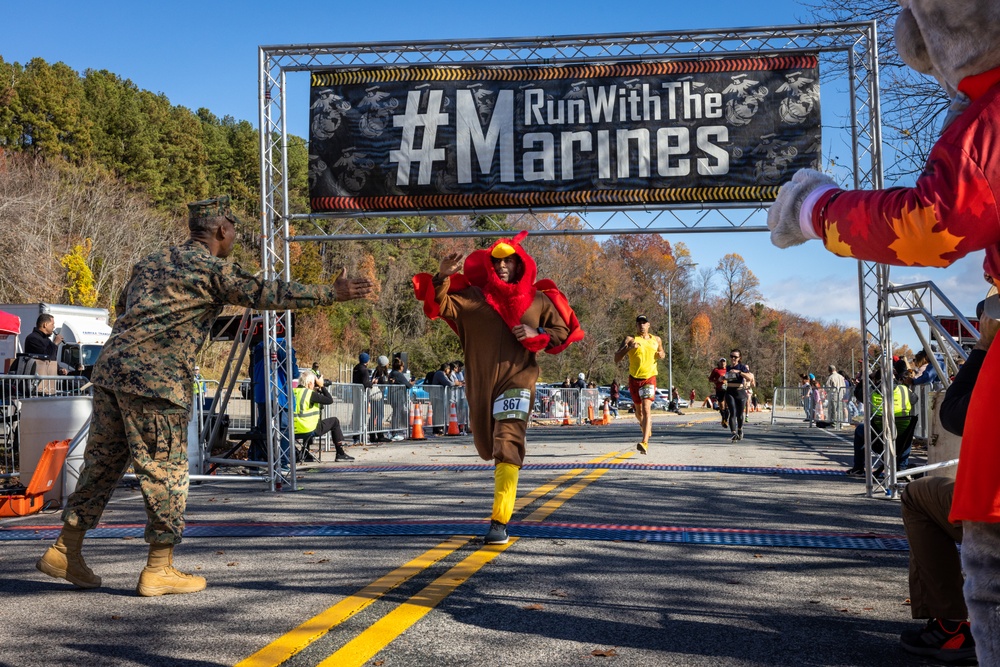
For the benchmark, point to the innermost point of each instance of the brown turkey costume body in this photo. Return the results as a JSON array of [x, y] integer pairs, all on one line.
[[500, 370]]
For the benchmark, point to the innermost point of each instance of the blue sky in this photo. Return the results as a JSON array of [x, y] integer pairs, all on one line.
[[204, 54]]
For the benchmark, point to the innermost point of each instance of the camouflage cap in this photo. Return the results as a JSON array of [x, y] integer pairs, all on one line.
[[211, 208]]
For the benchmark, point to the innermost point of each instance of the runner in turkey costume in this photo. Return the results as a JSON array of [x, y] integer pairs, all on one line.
[[503, 318], [951, 210]]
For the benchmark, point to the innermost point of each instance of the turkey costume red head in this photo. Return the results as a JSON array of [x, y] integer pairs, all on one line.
[[509, 300]]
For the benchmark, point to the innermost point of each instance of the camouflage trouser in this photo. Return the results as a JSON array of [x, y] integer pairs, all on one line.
[[150, 433]]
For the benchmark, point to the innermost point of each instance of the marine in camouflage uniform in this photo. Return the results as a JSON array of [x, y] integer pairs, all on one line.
[[143, 379]]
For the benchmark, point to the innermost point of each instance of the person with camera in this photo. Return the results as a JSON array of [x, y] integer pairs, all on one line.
[[310, 397]]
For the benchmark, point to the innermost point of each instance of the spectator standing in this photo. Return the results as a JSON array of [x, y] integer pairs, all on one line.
[[836, 389], [315, 370], [925, 374], [614, 392], [261, 395], [642, 350], [581, 381], [398, 378], [675, 401], [362, 375], [805, 389], [142, 389]]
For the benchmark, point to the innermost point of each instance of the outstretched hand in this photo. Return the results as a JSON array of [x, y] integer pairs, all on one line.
[[450, 264], [348, 289], [783, 218]]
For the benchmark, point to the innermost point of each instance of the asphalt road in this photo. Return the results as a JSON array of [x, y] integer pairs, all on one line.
[[704, 552]]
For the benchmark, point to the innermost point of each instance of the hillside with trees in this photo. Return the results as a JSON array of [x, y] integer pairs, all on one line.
[[95, 173]]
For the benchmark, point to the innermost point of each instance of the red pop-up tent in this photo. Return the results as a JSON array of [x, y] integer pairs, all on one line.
[[9, 324]]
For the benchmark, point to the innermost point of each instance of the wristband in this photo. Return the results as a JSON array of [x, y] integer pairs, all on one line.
[[541, 330], [806, 212]]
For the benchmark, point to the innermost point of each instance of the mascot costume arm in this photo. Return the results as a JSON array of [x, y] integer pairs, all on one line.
[[951, 211]]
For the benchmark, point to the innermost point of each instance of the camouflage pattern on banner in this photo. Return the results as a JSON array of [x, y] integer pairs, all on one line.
[[601, 136]]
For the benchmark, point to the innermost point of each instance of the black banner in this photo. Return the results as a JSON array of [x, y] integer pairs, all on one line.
[[458, 139]]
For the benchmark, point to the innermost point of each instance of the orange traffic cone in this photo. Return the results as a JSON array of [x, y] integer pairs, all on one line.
[[590, 415], [417, 431], [453, 420], [566, 415], [606, 417], [429, 420]]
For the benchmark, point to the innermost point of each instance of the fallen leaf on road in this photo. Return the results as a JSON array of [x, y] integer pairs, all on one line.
[[604, 653], [308, 553], [533, 607], [559, 593], [233, 564]]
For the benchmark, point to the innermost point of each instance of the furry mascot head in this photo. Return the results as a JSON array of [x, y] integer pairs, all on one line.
[[958, 43]]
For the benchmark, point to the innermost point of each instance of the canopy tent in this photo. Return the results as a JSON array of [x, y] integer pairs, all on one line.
[[9, 324]]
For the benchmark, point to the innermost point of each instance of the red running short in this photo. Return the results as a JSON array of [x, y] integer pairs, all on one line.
[[635, 383]]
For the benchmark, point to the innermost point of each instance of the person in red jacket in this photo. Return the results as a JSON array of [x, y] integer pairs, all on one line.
[[951, 210]]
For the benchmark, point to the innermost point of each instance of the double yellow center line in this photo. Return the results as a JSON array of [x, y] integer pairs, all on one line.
[[376, 637]]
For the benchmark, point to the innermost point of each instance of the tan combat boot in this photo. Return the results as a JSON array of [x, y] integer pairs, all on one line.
[[160, 577], [63, 560]]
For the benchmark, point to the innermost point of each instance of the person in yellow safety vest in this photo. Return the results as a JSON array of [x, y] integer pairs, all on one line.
[[901, 407], [309, 398]]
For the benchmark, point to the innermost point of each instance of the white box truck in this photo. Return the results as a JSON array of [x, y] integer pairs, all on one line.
[[84, 331]]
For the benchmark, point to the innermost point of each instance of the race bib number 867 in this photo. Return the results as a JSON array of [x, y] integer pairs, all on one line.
[[512, 404]]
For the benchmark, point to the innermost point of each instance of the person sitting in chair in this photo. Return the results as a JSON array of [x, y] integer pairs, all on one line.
[[310, 396]]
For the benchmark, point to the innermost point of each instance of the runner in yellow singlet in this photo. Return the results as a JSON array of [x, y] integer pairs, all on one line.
[[643, 350]]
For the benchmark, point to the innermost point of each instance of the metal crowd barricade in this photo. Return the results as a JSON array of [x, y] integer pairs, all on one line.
[[388, 409], [14, 389], [456, 395], [590, 404], [437, 399], [791, 405], [558, 403], [349, 406]]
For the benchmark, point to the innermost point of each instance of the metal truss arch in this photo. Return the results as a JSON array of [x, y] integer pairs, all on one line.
[[851, 46]]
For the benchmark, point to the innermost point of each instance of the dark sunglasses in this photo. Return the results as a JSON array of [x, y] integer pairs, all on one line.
[[734, 356]]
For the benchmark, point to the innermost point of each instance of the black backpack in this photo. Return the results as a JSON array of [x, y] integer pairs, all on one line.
[[429, 378]]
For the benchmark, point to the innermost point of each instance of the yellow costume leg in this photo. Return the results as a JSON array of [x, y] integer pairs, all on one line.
[[505, 491]]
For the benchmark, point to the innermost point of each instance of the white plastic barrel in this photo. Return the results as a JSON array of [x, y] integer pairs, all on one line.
[[42, 420]]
